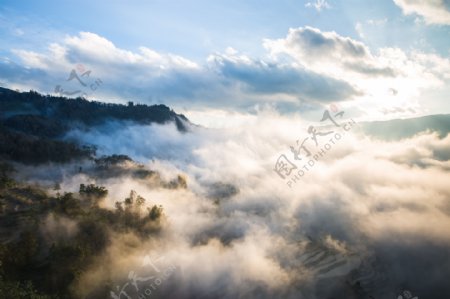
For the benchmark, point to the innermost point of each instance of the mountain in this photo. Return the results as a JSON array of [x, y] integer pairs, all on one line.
[[32, 125], [34, 113], [405, 128]]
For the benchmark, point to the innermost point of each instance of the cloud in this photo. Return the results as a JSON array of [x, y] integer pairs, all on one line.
[[141, 74], [271, 78], [359, 30], [319, 5], [307, 68], [224, 80], [92, 47], [326, 51], [377, 22], [370, 211], [375, 205], [411, 74], [359, 27], [433, 12]]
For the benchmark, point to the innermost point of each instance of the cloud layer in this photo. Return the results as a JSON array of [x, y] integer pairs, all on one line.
[[152, 76], [363, 221], [433, 12], [307, 66]]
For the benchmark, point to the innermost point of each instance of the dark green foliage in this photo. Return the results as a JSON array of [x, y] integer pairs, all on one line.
[[66, 260], [134, 202], [33, 150], [5, 181], [6, 168], [142, 173], [69, 205], [119, 207], [155, 212], [31, 265], [19, 255], [30, 125], [80, 110], [36, 125], [221, 191], [179, 182], [93, 191], [17, 290], [112, 160], [93, 234], [129, 214], [31, 262]]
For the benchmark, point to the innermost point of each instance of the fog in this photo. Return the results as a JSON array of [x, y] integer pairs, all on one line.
[[370, 218]]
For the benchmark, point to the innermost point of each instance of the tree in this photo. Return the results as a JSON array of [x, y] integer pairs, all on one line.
[[92, 191], [155, 212], [69, 205]]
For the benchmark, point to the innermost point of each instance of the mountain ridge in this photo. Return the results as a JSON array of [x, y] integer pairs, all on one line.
[[80, 110], [33, 126]]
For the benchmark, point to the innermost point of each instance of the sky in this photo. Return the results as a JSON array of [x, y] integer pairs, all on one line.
[[254, 70], [221, 62]]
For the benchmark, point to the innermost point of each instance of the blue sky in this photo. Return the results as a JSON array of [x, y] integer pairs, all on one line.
[[236, 55]]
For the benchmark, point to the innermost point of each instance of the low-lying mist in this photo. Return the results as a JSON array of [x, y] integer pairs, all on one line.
[[370, 218]]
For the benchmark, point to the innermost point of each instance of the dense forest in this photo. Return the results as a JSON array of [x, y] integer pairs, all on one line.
[[31, 265], [32, 129], [32, 125], [63, 110]]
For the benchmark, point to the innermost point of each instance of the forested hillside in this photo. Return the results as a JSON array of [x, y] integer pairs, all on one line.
[[32, 125], [40, 255]]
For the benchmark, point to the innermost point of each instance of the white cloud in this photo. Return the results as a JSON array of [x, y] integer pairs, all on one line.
[[308, 65], [319, 5], [224, 79], [32, 59], [411, 74], [271, 78], [366, 196], [326, 51], [359, 29], [378, 22], [433, 11]]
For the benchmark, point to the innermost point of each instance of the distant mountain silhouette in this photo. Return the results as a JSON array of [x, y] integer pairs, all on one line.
[[405, 128], [49, 116], [31, 124]]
